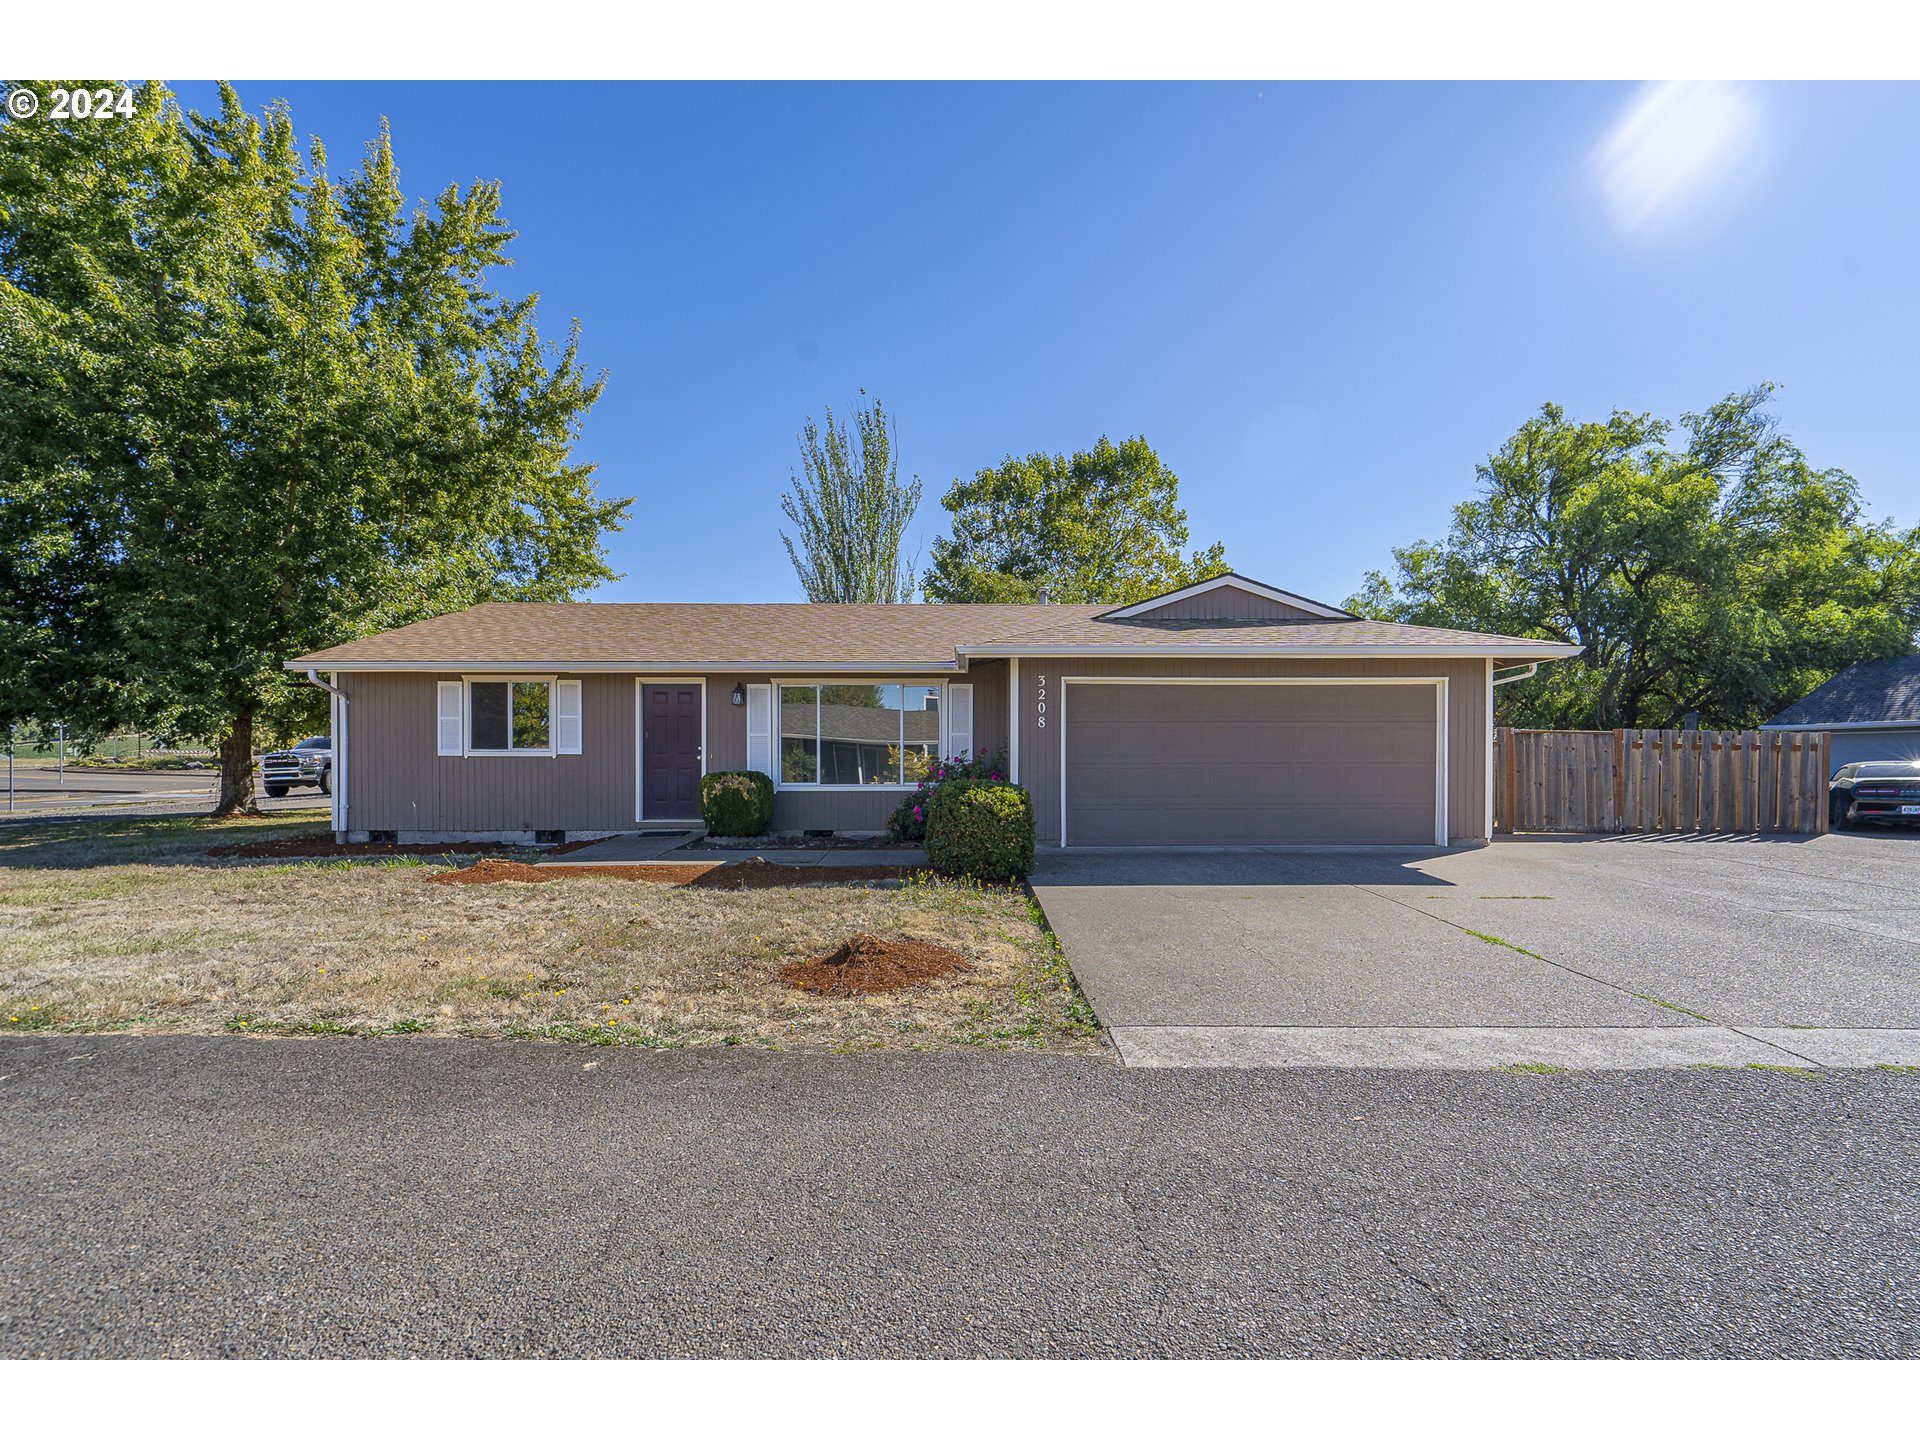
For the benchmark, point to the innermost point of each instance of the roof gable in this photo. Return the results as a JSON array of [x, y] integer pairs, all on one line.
[[1881, 692], [1227, 597]]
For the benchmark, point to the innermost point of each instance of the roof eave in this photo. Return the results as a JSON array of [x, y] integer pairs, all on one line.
[[1520, 651], [1530, 650], [635, 667]]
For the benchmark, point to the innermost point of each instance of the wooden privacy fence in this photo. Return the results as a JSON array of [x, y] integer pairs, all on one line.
[[1661, 782]]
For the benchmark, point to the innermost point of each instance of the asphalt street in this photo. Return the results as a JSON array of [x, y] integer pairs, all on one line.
[[41, 792], [233, 1196]]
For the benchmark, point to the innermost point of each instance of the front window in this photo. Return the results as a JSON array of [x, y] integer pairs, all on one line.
[[799, 734], [509, 715], [858, 734]]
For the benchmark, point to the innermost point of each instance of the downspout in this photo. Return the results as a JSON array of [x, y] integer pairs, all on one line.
[[1524, 672], [339, 729]]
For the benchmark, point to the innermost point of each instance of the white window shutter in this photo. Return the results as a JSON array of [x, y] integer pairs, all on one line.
[[960, 721], [452, 730], [566, 717], [760, 729]]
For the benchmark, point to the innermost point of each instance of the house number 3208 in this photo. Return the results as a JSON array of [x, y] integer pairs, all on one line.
[[1041, 704]]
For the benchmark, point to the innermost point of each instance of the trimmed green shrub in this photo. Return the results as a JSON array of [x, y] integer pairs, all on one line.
[[908, 822], [736, 802], [981, 829]]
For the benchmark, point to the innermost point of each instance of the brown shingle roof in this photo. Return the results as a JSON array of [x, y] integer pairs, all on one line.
[[792, 637]]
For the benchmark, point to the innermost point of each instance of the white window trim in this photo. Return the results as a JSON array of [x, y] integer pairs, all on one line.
[[468, 750], [1438, 682], [640, 683], [818, 789]]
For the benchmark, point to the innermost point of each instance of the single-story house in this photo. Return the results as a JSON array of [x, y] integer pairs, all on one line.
[[1872, 710], [1224, 713]]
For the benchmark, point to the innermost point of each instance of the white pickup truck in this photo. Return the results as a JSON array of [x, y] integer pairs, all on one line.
[[308, 763]]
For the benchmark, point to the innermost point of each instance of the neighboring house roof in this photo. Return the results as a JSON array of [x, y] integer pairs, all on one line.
[[859, 724], [796, 640], [1883, 692]]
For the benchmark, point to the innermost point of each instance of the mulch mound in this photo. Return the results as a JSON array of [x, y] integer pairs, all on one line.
[[868, 965], [321, 847], [754, 874]]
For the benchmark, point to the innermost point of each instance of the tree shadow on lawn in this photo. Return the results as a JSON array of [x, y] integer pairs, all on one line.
[[97, 842]]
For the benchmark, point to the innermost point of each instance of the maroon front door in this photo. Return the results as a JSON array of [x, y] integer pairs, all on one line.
[[669, 751]]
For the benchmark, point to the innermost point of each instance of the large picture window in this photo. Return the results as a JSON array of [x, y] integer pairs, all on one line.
[[858, 734], [510, 715]]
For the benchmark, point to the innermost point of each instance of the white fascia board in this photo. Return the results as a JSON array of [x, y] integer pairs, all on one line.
[[644, 667], [1541, 649], [1545, 651]]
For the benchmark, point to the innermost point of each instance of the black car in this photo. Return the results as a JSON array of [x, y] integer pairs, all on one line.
[[308, 763], [1875, 790]]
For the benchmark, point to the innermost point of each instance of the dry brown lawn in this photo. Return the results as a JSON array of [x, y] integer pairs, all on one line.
[[131, 925]]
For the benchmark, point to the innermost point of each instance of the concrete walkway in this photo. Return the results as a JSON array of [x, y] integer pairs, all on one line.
[[1488, 1047], [668, 848]]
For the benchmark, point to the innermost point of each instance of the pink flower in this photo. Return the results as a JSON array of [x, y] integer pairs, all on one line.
[[916, 812], [994, 776]]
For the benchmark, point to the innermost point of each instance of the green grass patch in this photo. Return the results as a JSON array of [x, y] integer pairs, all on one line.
[[1532, 1067], [1669, 1005], [94, 841], [594, 1034], [1503, 944], [1783, 1069], [1898, 1069]]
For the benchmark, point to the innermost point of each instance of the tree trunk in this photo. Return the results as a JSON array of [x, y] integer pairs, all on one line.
[[236, 768]]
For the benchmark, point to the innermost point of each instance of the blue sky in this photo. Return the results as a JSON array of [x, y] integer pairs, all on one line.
[[1322, 304]]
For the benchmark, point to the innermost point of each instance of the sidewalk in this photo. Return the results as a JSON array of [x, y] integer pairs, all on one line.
[[668, 848]]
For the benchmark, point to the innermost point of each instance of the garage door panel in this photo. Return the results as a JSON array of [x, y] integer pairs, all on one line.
[[1250, 764]]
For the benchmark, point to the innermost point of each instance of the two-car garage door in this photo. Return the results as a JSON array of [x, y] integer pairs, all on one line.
[[1249, 763]]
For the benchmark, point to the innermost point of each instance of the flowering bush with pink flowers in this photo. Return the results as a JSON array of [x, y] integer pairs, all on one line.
[[909, 820]]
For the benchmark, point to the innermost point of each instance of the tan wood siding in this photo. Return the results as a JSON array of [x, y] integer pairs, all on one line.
[[1227, 603], [1469, 735], [834, 809], [989, 681], [396, 780]]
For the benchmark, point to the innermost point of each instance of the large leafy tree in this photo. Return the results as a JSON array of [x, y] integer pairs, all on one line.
[[1102, 526], [850, 512], [1724, 575], [248, 410]]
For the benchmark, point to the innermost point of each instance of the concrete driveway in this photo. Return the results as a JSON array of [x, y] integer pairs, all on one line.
[[1575, 951]]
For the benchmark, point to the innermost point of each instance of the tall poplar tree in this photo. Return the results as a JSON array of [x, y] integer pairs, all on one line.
[[850, 512]]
